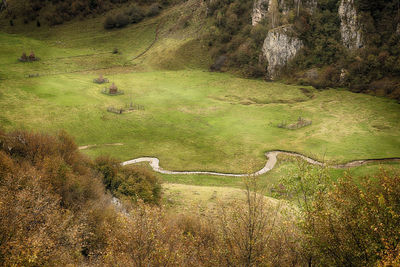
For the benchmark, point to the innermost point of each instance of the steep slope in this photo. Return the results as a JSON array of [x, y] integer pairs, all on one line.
[[344, 43]]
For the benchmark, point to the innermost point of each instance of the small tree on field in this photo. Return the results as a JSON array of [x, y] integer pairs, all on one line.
[[109, 23], [24, 57]]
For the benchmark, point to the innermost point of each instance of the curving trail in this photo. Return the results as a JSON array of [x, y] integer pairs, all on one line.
[[271, 162]]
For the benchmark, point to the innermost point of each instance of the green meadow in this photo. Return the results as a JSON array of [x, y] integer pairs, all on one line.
[[192, 119]]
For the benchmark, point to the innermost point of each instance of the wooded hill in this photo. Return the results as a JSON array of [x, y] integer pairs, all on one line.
[[325, 43]]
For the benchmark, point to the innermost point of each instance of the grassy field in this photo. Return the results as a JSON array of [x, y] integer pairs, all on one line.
[[192, 119], [181, 198]]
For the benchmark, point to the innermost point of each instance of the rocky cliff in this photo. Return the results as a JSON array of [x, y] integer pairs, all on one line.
[[350, 28], [280, 46]]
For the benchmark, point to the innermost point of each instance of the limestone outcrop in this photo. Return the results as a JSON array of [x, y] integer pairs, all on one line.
[[350, 27], [280, 46]]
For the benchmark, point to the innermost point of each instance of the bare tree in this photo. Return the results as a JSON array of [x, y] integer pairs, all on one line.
[[247, 227], [298, 2], [274, 13]]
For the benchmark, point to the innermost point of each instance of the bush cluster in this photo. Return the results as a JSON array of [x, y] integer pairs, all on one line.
[[133, 14], [132, 183], [57, 12], [378, 60], [232, 36]]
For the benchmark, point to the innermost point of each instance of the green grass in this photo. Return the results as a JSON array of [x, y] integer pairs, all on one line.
[[181, 198], [196, 120], [285, 166], [193, 119]]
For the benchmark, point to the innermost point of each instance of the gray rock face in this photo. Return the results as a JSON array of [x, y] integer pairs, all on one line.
[[280, 46], [350, 27]]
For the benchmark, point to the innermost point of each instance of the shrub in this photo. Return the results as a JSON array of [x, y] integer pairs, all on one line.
[[219, 63], [135, 14], [109, 23], [140, 183], [132, 183], [121, 20], [363, 221], [153, 10]]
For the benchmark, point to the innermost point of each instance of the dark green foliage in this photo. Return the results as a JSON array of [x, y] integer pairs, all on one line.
[[121, 20], [320, 33], [57, 12], [131, 15], [131, 183], [153, 10], [380, 57], [233, 36], [109, 23], [135, 13]]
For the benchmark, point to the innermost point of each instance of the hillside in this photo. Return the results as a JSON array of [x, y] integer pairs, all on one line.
[[326, 43]]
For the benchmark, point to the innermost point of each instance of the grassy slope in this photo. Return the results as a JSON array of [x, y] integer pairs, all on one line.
[[181, 198], [193, 119]]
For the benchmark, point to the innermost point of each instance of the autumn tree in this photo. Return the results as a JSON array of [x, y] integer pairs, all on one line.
[[247, 227]]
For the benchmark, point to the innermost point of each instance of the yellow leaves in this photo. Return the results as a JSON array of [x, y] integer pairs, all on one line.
[[381, 200]]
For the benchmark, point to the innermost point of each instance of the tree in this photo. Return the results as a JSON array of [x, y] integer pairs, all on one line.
[[298, 3], [274, 13], [247, 227], [357, 225]]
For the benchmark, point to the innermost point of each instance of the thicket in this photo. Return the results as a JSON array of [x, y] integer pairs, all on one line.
[[57, 12], [132, 14], [347, 223], [128, 182], [54, 210], [378, 63], [320, 32], [232, 36], [53, 205], [373, 68]]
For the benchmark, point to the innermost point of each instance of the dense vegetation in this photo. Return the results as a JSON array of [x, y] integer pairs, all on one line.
[[347, 223], [373, 68], [57, 12], [233, 41], [53, 202], [54, 211], [133, 14]]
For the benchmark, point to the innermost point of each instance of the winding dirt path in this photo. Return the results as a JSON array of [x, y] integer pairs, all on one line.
[[271, 162], [152, 43]]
